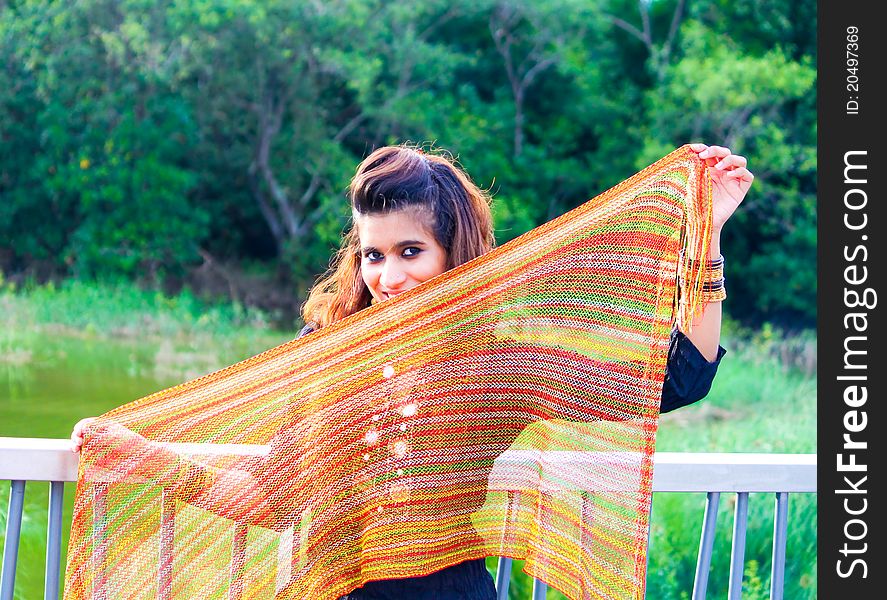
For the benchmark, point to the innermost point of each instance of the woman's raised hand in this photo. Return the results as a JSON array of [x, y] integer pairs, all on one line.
[[730, 180]]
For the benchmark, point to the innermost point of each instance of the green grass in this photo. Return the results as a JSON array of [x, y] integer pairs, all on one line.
[[763, 400], [124, 309], [191, 336]]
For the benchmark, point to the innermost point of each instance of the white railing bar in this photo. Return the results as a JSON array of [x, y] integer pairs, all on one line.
[[706, 544], [780, 527], [733, 472], [737, 552], [38, 459], [54, 540], [13, 533]]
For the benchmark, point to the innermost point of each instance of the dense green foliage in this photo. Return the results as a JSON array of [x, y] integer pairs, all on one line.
[[144, 139]]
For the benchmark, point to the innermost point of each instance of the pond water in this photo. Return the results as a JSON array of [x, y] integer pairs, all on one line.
[[50, 380]]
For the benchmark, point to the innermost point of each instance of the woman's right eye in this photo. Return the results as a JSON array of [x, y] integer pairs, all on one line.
[[373, 256]]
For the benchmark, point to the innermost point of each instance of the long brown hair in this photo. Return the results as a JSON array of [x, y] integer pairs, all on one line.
[[395, 178]]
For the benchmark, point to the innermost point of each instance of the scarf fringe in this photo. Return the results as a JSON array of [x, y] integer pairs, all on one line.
[[696, 245]]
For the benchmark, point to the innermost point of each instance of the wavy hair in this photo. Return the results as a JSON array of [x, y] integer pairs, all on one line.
[[396, 178]]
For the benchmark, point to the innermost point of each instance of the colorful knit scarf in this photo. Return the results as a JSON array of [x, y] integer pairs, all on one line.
[[507, 407]]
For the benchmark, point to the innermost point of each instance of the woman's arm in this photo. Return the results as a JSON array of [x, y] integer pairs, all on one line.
[[694, 356], [234, 492], [730, 182], [124, 455], [706, 331]]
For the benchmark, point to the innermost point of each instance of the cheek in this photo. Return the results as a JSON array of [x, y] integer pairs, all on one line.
[[369, 275], [434, 266]]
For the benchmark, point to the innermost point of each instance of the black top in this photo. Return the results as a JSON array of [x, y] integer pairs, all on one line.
[[688, 378]]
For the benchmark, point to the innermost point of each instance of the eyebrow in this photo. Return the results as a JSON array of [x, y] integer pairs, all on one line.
[[402, 244]]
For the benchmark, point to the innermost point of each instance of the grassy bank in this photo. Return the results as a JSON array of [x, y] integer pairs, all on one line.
[[763, 400], [124, 309], [195, 336]]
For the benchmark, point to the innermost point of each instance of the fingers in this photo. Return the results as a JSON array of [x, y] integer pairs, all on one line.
[[77, 434], [76, 442], [723, 159], [714, 154], [741, 174], [730, 162], [705, 151]]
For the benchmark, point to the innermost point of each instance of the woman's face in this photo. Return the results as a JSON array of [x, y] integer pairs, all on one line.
[[398, 252]]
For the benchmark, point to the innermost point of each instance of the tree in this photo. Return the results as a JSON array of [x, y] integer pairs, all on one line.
[[110, 170], [139, 139], [763, 106]]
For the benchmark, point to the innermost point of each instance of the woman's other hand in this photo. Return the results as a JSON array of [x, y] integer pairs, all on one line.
[[114, 434], [125, 455], [730, 180], [77, 433]]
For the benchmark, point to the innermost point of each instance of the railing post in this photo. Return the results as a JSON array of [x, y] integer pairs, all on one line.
[[503, 578], [737, 553], [540, 589], [54, 540], [706, 543], [167, 534], [780, 526], [13, 534]]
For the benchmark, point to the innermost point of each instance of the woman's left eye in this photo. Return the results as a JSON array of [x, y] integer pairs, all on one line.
[[411, 251]]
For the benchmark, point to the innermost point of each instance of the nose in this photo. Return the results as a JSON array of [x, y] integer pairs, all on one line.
[[392, 276]]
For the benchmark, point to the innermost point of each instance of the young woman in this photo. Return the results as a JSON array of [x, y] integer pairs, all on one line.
[[417, 215]]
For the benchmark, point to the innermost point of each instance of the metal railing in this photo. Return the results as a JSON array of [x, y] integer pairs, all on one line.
[[34, 459]]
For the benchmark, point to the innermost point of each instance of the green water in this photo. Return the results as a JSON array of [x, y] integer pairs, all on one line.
[[51, 379]]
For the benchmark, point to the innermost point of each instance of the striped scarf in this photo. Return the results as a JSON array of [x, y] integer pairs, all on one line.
[[507, 407]]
